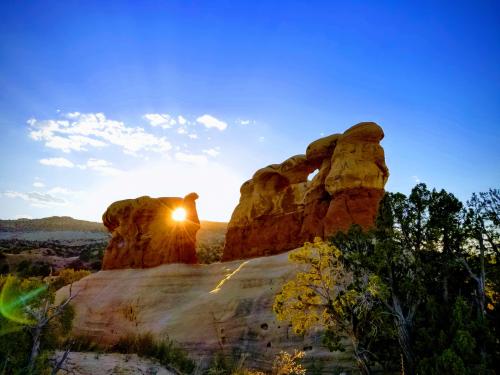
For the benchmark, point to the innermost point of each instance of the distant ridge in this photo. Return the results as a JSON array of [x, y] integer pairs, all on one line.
[[50, 224], [67, 223]]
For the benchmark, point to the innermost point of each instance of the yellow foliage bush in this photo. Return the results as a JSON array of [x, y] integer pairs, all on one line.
[[68, 276]]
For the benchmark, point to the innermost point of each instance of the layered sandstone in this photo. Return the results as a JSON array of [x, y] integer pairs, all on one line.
[[280, 208], [207, 309], [145, 234]]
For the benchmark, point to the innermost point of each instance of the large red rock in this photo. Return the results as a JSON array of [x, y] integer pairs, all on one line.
[[280, 208], [144, 233]]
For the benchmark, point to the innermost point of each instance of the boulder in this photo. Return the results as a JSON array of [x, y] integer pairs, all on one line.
[[144, 233], [280, 208]]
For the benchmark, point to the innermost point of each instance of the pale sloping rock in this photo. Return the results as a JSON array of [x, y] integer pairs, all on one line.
[[206, 308]]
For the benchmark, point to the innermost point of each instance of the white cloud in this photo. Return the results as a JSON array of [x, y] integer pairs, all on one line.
[[72, 115], [163, 120], [191, 158], [416, 179], [193, 136], [181, 120], [212, 151], [35, 198], [262, 139], [211, 122], [245, 122], [57, 162], [104, 167], [81, 130], [38, 184]]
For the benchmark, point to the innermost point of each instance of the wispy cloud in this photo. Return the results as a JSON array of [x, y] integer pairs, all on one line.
[[77, 131], [38, 184], [35, 198], [212, 151], [245, 122], [104, 167], [211, 122], [57, 162], [60, 190]]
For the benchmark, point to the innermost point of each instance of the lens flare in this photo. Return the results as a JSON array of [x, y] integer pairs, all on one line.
[[179, 214], [14, 300]]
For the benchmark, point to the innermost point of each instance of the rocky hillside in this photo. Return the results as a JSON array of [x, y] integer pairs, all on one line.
[[53, 223], [220, 307]]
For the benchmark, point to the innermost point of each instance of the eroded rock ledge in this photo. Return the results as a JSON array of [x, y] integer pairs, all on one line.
[[280, 208], [145, 234]]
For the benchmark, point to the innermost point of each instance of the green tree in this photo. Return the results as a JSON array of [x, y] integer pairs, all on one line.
[[418, 249]]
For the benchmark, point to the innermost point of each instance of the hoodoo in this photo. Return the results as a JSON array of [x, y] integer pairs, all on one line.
[[147, 232], [280, 208]]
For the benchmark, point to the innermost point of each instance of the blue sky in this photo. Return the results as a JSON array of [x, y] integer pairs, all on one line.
[[102, 101]]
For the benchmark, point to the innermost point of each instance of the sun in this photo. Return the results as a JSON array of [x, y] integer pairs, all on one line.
[[179, 214]]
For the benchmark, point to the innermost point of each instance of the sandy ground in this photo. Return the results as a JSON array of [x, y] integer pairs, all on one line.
[[79, 363]]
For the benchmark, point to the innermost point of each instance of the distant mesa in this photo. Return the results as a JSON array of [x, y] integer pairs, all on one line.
[[280, 208], [147, 232]]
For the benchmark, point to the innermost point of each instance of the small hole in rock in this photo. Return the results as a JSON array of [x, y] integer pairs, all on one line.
[[312, 174], [264, 326], [307, 348], [268, 344]]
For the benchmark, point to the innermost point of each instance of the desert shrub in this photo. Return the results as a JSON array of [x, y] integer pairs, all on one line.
[[220, 365], [68, 276], [283, 364], [82, 343], [207, 254], [27, 268], [288, 364], [4, 269], [93, 252], [165, 351], [23, 266], [57, 332], [96, 265]]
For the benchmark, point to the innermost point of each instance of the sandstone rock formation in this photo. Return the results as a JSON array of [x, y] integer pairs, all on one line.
[[144, 233], [280, 209], [207, 309]]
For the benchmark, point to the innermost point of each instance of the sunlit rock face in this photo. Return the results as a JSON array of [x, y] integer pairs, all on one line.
[[280, 208], [147, 232]]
